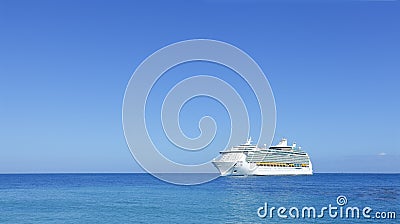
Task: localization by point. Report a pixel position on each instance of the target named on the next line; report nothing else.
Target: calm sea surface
(141, 198)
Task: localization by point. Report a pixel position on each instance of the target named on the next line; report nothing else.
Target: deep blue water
(141, 198)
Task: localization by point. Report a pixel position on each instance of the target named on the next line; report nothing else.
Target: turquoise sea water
(141, 198)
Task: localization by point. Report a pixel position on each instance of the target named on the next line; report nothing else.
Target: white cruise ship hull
(246, 169)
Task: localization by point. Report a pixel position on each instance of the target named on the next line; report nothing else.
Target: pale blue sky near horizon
(333, 67)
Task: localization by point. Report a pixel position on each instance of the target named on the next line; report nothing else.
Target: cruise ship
(248, 159)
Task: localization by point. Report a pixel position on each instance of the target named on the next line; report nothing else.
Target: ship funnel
(283, 142)
(248, 142)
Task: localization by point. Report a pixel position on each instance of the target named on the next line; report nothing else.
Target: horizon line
(50, 173)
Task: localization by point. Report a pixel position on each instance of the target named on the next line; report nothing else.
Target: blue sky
(64, 65)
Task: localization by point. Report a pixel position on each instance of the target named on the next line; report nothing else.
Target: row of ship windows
(282, 165)
(277, 156)
(289, 161)
(274, 155)
(280, 157)
(296, 151)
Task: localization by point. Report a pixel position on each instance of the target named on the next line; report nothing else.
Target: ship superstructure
(248, 159)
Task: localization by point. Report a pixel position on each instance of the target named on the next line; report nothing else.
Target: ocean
(141, 198)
